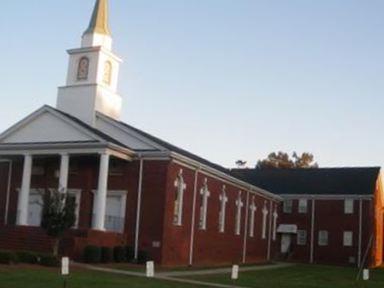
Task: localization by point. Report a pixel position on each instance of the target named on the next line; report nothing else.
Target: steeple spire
(99, 21)
(98, 33)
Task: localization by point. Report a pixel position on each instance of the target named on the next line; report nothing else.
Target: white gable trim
(46, 109)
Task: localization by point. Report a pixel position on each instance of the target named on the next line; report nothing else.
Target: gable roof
(168, 146)
(51, 126)
(313, 181)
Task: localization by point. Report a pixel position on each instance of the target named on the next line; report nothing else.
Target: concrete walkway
(173, 276)
(223, 270)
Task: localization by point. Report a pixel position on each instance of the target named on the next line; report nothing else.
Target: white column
(22, 207)
(101, 195)
(64, 169)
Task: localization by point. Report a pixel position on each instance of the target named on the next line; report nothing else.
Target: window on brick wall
(180, 187)
(348, 238)
(264, 223)
(301, 237)
(204, 192)
(223, 205)
(303, 206)
(239, 207)
(348, 206)
(287, 206)
(323, 238)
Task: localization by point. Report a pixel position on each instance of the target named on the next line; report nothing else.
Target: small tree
(58, 215)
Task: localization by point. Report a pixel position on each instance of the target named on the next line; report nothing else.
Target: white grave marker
(365, 274)
(150, 269)
(235, 272)
(65, 266)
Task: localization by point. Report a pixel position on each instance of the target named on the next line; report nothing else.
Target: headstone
(150, 269)
(235, 272)
(366, 274)
(65, 266)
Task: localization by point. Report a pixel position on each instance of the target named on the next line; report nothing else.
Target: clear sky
(225, 79)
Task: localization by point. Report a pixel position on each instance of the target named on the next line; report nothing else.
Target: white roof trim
(24, 122)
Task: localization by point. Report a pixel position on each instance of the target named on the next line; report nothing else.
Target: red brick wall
(210, 246)
(329, 216)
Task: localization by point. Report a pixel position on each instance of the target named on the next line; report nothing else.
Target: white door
(113, 214)
(285, 243)
(35, 209)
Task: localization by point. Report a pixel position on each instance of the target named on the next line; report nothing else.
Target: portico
(62, 159)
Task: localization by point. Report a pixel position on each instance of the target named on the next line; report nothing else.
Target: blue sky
(225, 79)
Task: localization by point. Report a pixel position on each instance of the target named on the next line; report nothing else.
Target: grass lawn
(37, 277)
(301, 276)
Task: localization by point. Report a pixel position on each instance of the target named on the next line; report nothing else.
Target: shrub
(106, 254)
(49, 260)
(143, 257)
(27, 257)
(7, 257)
(119, 254)
(92, 254)
(129, 253)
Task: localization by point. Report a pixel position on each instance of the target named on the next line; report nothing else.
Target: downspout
(10, 163)
(192, 240)
(360, 232)
(139, 194)
(311, 257)
(245, 229)
(270, 230)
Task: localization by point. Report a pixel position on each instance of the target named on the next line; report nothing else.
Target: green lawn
(38, 277)
(301, 276)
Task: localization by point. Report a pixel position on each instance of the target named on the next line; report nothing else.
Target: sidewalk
(173, 276)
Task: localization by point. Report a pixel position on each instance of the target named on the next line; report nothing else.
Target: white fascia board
(70, 148)
(48, 109)
(232, 180)
(326, 196)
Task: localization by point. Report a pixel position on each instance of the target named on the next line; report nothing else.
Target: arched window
(83, 68)
(107, 73)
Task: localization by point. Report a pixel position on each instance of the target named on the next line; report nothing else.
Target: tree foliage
(284, 160)
(58, 215)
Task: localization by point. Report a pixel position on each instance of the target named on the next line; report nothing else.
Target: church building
(134, 189)
(130, 188)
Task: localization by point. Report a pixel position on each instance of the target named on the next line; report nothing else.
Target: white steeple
(92, 73)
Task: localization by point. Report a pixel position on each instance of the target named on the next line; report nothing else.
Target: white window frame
(347, 238)
(114, 193)
(303, 206)
(264, 221)
(252, 212)
(180, 187)
(275, 217)
(204, 192)
(223, 206)
(323, 238)
(349, 206)
(302, 237)
(288, 206)
(239, 205)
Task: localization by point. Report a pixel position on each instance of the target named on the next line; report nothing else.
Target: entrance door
(285, 243)
(35, 209)
(113, 214)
